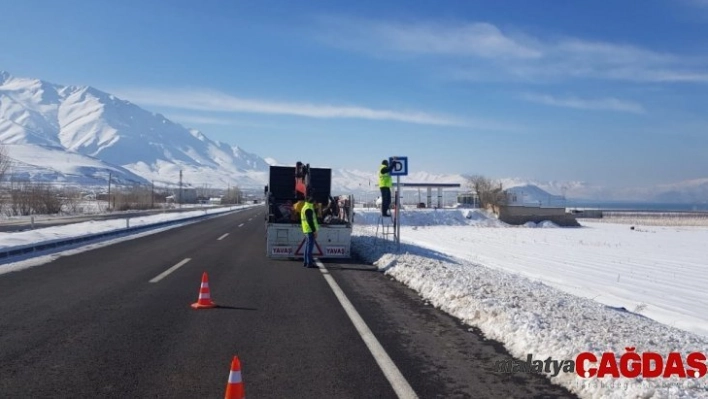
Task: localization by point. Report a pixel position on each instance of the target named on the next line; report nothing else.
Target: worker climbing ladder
(391, 226)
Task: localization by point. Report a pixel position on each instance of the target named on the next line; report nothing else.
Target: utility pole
(109, 189)
(152, 194)
(180, 188)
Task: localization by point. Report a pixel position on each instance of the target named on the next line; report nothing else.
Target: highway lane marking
(240, 225)
(170, 270)
(222, 237)
(393, 374)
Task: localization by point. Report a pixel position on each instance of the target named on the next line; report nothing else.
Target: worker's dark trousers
(385, 200)
(309, 248)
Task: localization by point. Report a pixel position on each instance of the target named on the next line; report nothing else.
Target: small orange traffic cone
(204, 301)
(234, 388)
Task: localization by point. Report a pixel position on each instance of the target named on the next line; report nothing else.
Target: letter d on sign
(398, 165)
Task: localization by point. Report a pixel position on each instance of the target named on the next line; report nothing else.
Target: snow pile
(433, 217)
(528, 316)
(545, 224)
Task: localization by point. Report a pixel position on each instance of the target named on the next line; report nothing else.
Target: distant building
(469, 199)
(532, 204)
(189, 196)
(533, 196)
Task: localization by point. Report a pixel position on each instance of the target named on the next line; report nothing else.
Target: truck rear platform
(286, 189)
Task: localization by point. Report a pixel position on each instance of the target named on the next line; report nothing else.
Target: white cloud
(491, 52)
(214, 101)
(578, 58)
(207, 100)
(205, 120)
(609, 104)
(699, 3)
(476, 39)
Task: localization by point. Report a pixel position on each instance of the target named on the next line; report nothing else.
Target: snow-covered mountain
(89, 122)
(40, 163)
(689, 191)
(81, 134)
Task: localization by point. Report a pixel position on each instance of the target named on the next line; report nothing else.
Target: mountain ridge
(105, 133)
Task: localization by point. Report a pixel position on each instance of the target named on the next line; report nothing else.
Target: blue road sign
(398, 165)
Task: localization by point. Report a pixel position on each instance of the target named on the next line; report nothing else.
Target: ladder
(386, 227)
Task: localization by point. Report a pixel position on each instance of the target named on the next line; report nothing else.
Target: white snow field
(551, 291)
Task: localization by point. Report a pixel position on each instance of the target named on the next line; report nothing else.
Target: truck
(285, 193)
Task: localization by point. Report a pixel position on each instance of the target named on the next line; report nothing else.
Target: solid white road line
(240, 225)
(170, 270)
(222, 237)
(393, 375)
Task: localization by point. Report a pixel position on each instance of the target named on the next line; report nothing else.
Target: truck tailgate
(286, 240)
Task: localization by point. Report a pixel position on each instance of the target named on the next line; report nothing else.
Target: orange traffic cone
(234, 388)
(204, 301)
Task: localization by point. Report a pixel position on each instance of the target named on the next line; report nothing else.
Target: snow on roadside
(527, 316)
(16, 239)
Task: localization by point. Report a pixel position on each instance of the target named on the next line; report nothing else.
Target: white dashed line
(222, 237)
(170, 270)
(393, 374)
(240, 225)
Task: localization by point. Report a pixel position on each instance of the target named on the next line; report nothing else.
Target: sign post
(399, 167)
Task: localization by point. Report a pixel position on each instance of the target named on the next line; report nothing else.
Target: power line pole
(152, 194)
(109, 190)
(180, 188)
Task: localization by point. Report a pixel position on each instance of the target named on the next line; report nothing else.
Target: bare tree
(47, 198)
(20, 200)
(233, 196)
(204, 192)
(490, 193)
(27, 198)
(4, 165)
(135, 196)
(4, 161)
(71, 199)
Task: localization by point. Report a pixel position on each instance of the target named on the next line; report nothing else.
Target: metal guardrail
(62, 242)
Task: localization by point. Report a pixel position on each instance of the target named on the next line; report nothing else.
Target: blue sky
(608, 92)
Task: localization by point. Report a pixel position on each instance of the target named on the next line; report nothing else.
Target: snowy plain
(556, 292)
(538, 289)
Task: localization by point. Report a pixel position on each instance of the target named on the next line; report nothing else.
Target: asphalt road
(92, 325)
